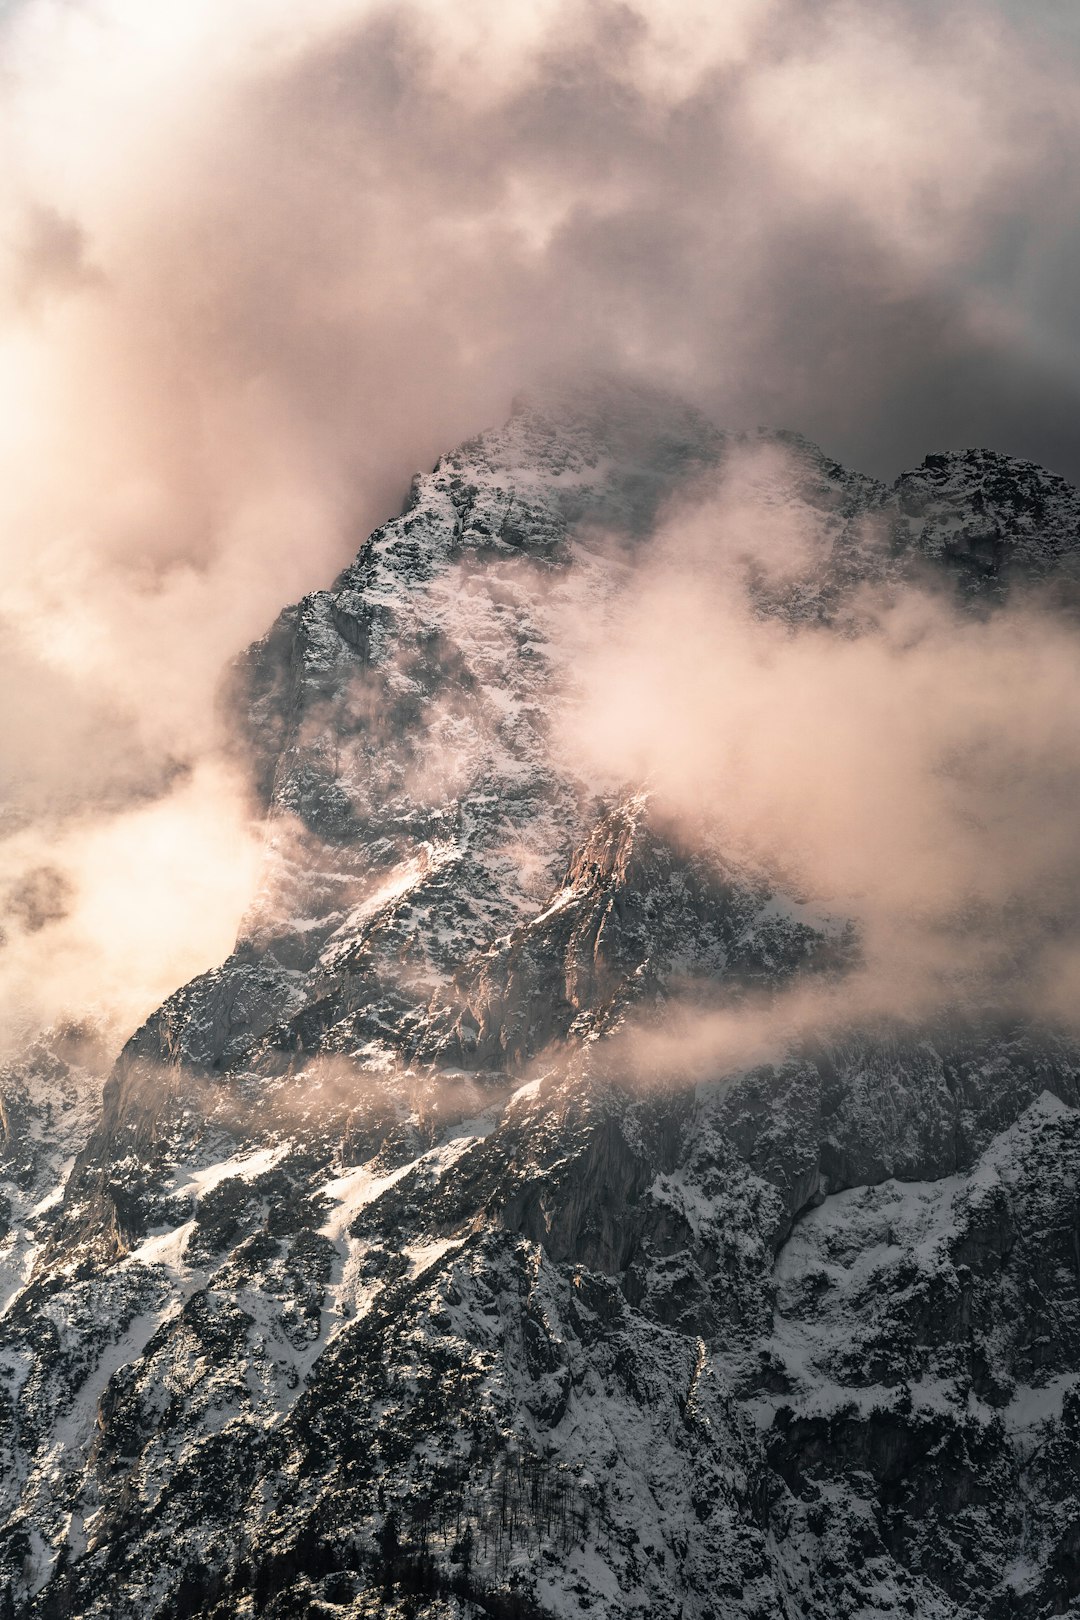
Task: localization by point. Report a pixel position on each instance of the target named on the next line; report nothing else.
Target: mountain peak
(420, 1261)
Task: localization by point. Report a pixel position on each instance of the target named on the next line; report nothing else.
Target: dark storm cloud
(851, 225)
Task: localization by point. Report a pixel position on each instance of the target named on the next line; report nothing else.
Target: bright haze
(258, 262)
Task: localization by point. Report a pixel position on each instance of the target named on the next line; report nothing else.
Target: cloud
(259, 262)
(104, 916)
(915, 767)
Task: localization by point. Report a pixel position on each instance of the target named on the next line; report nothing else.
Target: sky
(260, 262)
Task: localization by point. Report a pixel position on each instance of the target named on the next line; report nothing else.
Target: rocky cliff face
(380, 1282)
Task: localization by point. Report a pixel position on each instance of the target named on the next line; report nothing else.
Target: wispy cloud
(915, 769)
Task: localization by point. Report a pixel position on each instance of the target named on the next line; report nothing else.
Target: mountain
(382, 1278)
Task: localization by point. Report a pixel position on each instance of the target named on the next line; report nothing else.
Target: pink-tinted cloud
(915, 768)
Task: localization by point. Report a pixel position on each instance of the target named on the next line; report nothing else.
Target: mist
(910, 763)
(258, 265)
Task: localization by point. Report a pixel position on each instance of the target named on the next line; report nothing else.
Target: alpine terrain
(382, 1277)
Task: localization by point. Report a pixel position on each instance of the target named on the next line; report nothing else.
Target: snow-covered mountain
(378, 1282)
